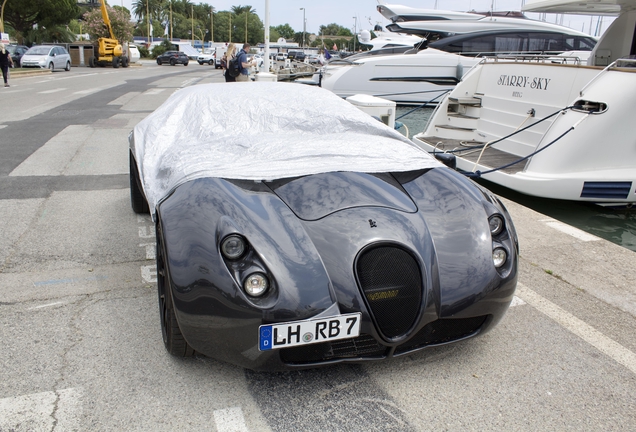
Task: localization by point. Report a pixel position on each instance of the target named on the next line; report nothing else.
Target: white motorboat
(425, 74)
(545, 128)
(385, 39)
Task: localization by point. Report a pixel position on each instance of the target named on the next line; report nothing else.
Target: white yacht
(545, 128)
(427, 72)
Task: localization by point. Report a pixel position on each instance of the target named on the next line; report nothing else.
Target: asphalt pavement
(79, 326)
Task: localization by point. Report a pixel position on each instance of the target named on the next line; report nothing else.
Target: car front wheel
(211, 62)
(172, 62)
(68, 66)
(173, 339)
(159, 62)
(185, 64)
(51, 67)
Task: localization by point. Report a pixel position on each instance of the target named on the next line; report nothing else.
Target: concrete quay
(557, 255)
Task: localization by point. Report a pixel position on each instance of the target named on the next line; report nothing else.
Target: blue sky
(342, 12)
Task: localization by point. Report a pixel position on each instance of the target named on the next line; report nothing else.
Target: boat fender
(460, 71)
(447, 159)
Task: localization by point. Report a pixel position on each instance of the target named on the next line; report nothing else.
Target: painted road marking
(148, 272)
(589, 334)
(53, 410)
(46, 305)
(516, 301)
(150, 250)
(89, 91)
(154, 91)
(52, 91)
(230, 420)
(570, 230)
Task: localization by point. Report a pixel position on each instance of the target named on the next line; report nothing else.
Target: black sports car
(295, 231)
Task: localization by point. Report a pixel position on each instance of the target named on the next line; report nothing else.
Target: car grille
(442, 331)
(391, 282)
(363, 346)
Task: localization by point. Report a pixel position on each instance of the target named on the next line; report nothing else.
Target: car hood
(319, 195)
(35, 57)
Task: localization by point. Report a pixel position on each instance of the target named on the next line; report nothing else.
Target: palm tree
(238, 10)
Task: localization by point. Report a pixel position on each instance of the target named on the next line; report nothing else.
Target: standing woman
(229, 55)
(5, 61)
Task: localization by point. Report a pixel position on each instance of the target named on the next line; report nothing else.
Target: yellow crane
(109, 49)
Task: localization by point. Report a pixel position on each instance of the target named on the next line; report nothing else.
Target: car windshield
(11, 49)
(39, 50)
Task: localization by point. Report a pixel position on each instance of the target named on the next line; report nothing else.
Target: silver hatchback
(47, 56)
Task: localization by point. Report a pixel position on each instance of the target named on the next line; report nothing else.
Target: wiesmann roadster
(294, 230)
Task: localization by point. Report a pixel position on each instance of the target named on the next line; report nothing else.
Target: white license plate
(285, 335)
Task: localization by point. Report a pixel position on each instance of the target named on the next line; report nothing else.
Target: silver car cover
(263, 131)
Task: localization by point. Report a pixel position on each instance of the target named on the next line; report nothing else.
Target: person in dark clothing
(229, 55)
(5, 62)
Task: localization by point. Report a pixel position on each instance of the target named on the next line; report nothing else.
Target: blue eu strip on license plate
(285, 335)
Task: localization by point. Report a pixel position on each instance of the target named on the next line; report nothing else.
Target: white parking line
(53, 410)
(230, 420)
(52, 91)
(589, 334)
(570, 230)
(154, 91)
(46, 305)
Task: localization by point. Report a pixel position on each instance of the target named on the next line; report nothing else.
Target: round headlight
(256, 284)
(496, 223)
(499, 257)
(233, 246)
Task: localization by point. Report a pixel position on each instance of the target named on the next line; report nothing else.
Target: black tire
(211, 62)
(116, 62)
(68, 66)
(159, 62)
(138, 200)
(172, 62)
(51, 67)
(171, 334)
(91, 61)
(200, 62)
(185, 64)
(124, 62)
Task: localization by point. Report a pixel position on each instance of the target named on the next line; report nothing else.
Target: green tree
(48, 16)
(285, 31)
(334, 30)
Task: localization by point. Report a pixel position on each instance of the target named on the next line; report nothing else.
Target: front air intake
(391, 282)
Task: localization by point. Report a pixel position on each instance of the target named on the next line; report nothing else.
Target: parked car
(173, 58)
(347, 244)
(300, 56)
(206, 57)
(314, 59)
(47, 56)
(291, 55)
(17, 51)
(281, 56)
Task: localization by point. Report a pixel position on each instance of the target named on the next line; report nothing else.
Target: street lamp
(303, 9)
(211, 26)
(355, 30)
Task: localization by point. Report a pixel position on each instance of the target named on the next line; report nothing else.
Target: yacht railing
(622, 62)
(536, 58)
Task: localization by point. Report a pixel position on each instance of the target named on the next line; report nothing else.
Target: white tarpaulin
(263, 131)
